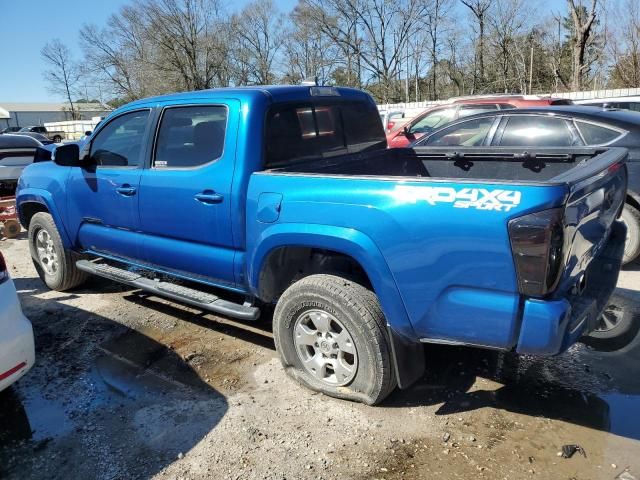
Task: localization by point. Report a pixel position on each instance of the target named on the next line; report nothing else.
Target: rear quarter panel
(451, 268)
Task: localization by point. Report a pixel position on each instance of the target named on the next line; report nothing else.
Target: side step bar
(196, 298)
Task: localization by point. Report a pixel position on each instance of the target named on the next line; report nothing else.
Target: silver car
(16, 152)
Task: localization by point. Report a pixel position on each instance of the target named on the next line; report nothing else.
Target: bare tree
(507, 23)
(479, 8)
(624, 47)
(259, 29)
(436, 14)
(120, 54)
(309, 52)
(338, 20)
(63, 74)
(186, 33)
(583, 21)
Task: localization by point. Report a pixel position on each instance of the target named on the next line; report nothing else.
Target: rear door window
(597, 134)
(190, 136)
(471, 133)
(527, 130)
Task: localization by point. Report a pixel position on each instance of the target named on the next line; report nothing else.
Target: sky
(28, 24)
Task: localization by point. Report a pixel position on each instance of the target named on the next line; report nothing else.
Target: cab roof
(276, 93)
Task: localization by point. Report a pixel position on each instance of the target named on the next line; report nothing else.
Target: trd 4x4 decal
(478, 198)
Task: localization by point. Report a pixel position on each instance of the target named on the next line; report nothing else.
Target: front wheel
(331, 336)
(55, 265)
(57, 139)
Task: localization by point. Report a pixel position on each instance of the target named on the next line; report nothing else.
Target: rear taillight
(537, 243)
(4, 275)
(390, 126)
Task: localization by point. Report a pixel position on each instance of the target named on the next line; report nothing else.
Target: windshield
(311, 130)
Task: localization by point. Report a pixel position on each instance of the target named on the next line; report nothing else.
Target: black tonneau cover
(546, 165)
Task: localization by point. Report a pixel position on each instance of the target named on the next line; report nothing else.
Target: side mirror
(67, 155)
(42, 154)
(88, 133)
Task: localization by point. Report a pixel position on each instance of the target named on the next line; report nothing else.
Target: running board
(190, 296)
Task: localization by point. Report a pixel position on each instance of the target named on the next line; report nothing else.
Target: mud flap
(408, 359)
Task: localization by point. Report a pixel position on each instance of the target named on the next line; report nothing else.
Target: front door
(185, 195)
(102, 200)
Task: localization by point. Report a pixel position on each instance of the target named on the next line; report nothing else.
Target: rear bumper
(16, 338)
(551, 326)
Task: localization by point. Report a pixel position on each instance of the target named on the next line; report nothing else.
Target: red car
(439, 115)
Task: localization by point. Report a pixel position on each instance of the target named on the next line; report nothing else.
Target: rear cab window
(297, 132)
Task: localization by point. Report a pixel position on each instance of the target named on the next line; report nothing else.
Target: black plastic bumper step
(191, 296)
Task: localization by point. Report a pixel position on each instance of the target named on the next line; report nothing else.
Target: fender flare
(43, 197)
(347, 241)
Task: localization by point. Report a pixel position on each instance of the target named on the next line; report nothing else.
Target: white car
(17, 353)
(623, 103)
(389, 118)
(16, 152)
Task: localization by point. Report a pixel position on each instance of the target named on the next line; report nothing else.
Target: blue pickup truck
(236, 200)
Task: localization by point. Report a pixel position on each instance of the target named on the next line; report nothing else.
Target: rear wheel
(57, 139)
(55, 265)
(616, 327)
(631, 217)
(331, 336)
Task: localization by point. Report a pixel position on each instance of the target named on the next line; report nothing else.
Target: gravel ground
(128, 385)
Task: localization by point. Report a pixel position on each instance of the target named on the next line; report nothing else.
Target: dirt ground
(128, 385)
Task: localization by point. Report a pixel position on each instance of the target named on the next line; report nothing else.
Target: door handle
(126, 190)
(209, 197)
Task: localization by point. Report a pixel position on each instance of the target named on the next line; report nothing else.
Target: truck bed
(504, 164)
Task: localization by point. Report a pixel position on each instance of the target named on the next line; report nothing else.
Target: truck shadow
(599, 390)
(102, 397)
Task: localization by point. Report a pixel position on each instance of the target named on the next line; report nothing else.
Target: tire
(347, 306)
(631, 217)
(57, 266)
(57, 139)
(616, 328)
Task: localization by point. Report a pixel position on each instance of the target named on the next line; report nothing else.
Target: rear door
(102, 201)
(185, 194)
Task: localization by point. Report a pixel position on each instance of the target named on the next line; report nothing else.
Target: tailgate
(596, 196)
(592, 249)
